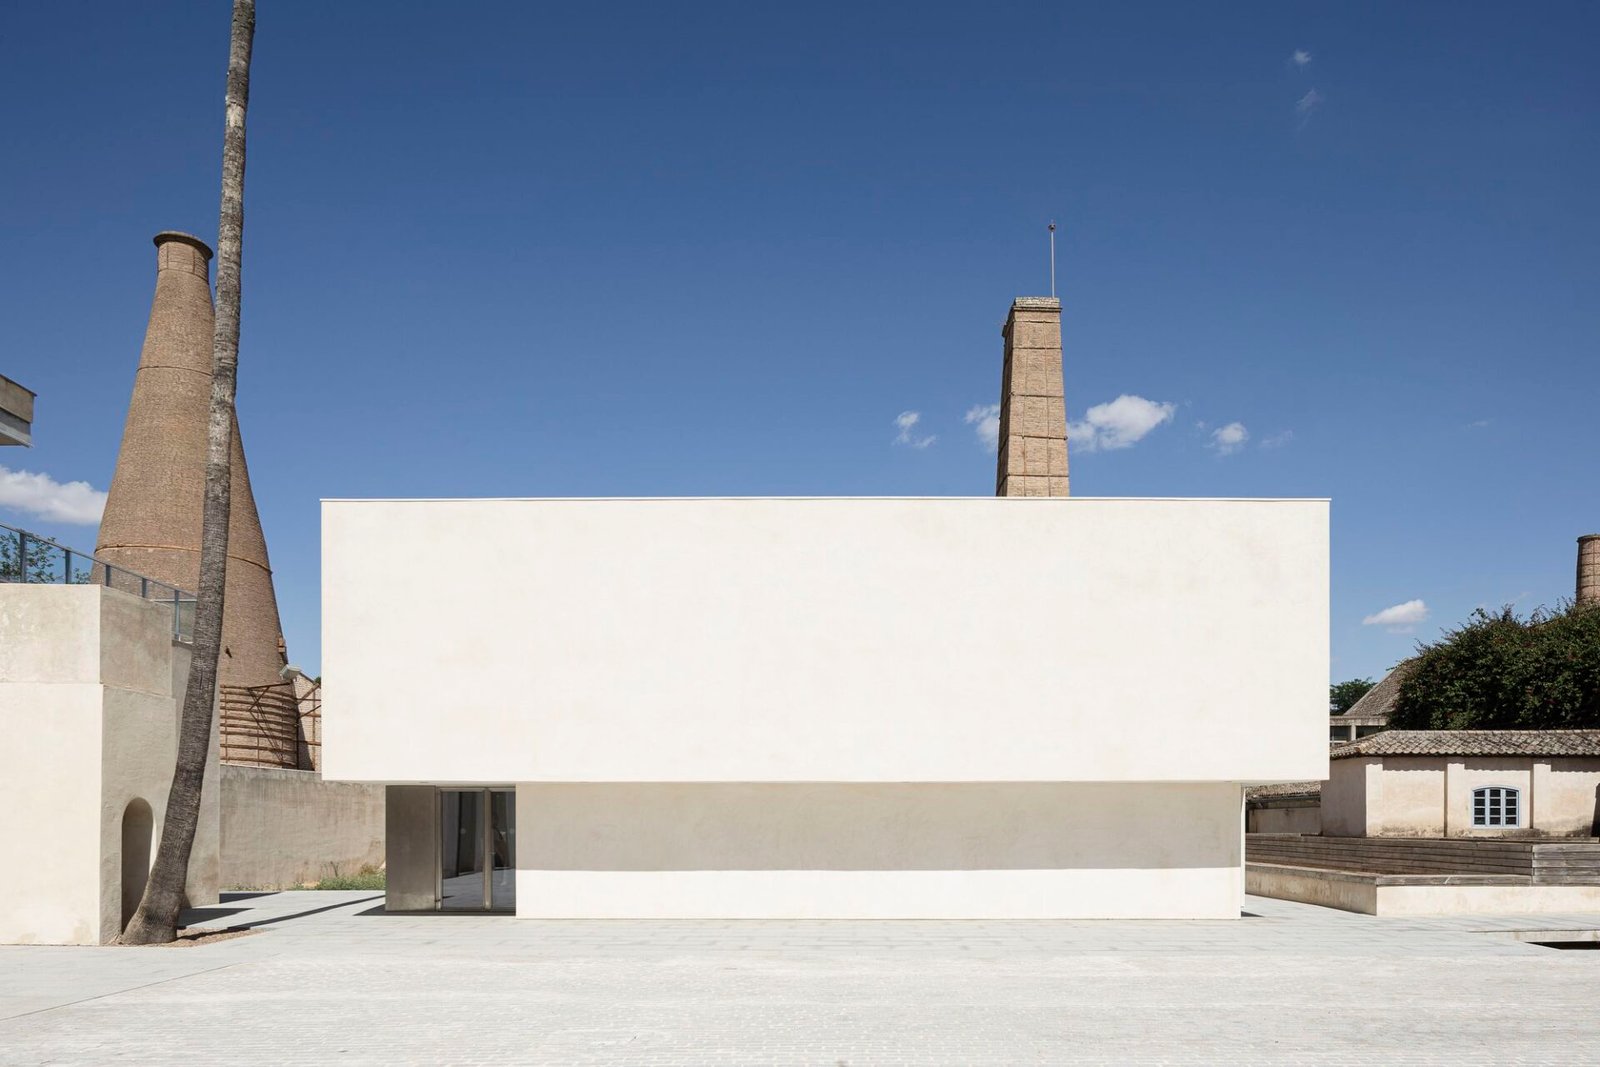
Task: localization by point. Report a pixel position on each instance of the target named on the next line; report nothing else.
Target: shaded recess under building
(153, 513)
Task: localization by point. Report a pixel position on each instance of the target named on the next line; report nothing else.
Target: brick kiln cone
(152, 516)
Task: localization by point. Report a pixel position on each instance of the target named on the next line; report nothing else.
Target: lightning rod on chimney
(1052, 257)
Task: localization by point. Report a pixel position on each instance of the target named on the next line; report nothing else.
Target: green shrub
(366, 878)
(1503, 672)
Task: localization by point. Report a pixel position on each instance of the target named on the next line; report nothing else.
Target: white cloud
(1229, 439)
(1308, 103)
(1479, 424)
(41, 495)
(907, 423)
(1278, 440)
(1400, 615)
(1301, 57)
(985, 420)
(1120, 423)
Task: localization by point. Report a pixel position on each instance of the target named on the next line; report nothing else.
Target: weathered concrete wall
(1370, 895)
(1404, 900)
(1344, 797)
(1306, 819)
(283, 828)
(1330, 889)
(1009, 850)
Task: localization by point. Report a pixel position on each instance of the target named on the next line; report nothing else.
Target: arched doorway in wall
(138, 833)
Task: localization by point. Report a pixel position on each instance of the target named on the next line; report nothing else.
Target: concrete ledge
(1370, 893)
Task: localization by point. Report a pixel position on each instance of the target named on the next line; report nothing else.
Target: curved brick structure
(152, 518)
(1588, 591)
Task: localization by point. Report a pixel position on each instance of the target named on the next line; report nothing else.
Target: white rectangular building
(823, 708)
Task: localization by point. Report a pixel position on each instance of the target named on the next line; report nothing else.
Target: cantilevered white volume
(954, 707)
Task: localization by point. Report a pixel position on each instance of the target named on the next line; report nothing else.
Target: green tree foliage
(1342, 696)
(13, 568)
(47, 562)
(1504, 672)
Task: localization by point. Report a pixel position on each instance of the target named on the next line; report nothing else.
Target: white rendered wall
(843, 640)
(1022, 850)
(88, 703)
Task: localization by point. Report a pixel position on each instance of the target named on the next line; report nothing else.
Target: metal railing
(34, 560)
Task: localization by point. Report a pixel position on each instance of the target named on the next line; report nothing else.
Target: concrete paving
(331, 978)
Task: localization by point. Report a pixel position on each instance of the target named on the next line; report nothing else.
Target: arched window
(1496, 805)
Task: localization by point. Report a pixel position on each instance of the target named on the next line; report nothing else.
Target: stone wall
(283, 828)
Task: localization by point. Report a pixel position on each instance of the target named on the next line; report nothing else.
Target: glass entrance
(477, 850)
(503, 850)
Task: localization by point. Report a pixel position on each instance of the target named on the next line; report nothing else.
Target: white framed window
(1496, 805)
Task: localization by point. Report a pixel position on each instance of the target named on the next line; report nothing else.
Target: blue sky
(528, 250)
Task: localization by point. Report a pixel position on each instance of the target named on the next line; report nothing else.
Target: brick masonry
(152, 517)
(1588, 591)
(1033, 412)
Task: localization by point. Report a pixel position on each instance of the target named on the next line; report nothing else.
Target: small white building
(1465, 783)
(91, 687)
(823, 708)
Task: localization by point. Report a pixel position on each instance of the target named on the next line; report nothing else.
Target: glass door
(503, 850)
(477, 850)
(461, 850)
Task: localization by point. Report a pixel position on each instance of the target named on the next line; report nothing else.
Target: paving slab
(329, 976)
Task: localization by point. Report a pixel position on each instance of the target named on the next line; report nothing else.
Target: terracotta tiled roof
(1284, 789)
(1473, 743)
(1379, 700)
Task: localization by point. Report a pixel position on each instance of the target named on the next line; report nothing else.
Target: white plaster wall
(1566, 797)
(1408, 798)
(1431, 796)
(936, 851)
(49, 811)
(86, 679)
(952, 640)
(50, 708)
(1467, 774)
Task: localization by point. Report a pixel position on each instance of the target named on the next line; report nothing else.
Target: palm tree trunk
(156, 921)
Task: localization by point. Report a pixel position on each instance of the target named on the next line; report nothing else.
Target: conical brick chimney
(152, 516)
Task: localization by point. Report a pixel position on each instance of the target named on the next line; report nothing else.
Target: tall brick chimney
(1033, 410)
(152, 519)
(1588, 591)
